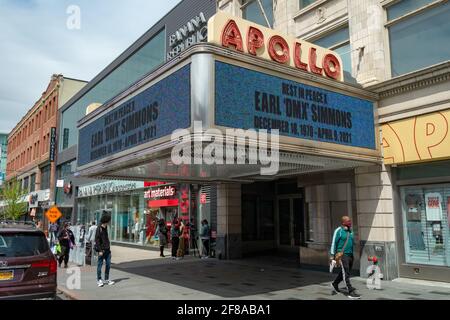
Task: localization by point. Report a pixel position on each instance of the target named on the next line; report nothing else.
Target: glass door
(291, 221)
(284, 222)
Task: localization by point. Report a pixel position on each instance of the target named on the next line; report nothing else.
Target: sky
(39, 38)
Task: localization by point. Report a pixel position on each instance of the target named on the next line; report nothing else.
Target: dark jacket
(63, 240)
(175, 230)
(204, 232)
(102, 239)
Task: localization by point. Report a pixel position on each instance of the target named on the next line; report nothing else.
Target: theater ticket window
(426, 223)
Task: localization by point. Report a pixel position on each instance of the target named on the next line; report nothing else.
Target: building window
(305, 3)
(426, 224)
(339, 41)
(418, 35)
(45, 177)
(146, 59)
(33, 182)
(251, 11)
(26, 185)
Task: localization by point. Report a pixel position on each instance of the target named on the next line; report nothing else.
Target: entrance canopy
(210, 91)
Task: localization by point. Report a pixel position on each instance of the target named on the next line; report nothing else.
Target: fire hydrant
(374, 274)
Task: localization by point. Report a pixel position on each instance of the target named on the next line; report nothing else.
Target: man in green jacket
(343, 242)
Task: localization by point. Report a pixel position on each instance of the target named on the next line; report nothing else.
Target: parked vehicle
(27, 266)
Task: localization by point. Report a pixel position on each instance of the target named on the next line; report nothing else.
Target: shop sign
(153, 113)
(203, 198)
(36, 199)
(108, 187)
(60, 183)
(417, 139)
(52, 144)
(256, 40)
(194, 31)
(153, 183)
(250, 99)
(164, 192)
(163, 203)
(433, 207)
(33, 199)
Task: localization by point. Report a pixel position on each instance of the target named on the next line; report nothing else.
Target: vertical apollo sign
(52, 144)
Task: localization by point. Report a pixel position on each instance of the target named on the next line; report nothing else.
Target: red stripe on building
(163, 203)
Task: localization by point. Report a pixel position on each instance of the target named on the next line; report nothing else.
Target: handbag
(340, 254)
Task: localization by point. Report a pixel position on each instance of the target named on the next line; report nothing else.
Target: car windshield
(22, 244)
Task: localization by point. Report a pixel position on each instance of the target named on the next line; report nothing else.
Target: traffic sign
(53, 214)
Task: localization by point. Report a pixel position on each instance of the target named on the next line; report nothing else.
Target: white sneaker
(100, 283)
(109, 282)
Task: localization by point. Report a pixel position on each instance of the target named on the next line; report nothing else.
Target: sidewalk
(145, 276)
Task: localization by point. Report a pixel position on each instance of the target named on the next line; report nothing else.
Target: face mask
(348, 224)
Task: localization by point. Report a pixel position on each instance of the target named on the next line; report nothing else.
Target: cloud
(36, 43)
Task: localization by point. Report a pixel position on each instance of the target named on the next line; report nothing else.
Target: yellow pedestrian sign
(53, 214)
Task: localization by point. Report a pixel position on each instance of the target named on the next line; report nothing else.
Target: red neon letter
(232, 36)
(298, 58)
(312, 62)
(336, 72)
(255, 40)
(284, 56)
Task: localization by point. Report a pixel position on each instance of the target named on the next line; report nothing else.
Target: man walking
(204, 236)
(90, 242)
(102, 246)
(342, 252)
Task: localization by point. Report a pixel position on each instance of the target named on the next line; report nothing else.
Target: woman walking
(162, 235)
(66, 240)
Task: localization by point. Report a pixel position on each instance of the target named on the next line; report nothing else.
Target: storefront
(418, 148)
(135, 207)
(241, 80)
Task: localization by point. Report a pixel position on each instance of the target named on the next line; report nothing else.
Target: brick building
(31, 155)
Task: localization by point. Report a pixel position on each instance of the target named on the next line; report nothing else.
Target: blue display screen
(152, 114)
(248, 99)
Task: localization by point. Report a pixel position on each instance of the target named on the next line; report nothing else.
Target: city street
(258, 278)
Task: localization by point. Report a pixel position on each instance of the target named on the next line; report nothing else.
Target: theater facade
(209, 118)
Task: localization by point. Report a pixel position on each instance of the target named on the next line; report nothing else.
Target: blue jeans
(107, 257)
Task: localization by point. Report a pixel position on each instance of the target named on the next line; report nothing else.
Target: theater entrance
(291, 221)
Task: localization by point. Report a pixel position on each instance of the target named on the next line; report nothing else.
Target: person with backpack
(205, 237)
(103, 247)
(66, 241)
(341, 254)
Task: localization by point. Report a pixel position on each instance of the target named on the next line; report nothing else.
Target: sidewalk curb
(67, 293)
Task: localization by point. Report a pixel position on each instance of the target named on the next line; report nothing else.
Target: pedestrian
(52, 230)
(103, 247)
(341, 252)
(90, 238)
(182, 242)
(205, 237)
(90, 241)
(66, 241)
(175, 236)
(162, 235)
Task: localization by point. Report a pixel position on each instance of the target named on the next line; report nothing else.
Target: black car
(27, 266)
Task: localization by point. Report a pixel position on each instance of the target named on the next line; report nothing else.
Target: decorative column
(229, 221)
(375, 207)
